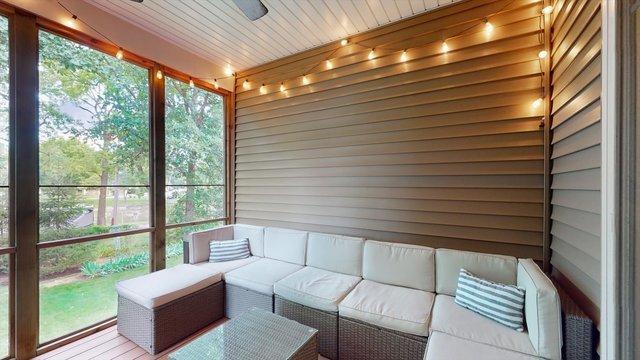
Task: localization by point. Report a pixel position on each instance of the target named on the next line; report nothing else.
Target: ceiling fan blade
(253, 9)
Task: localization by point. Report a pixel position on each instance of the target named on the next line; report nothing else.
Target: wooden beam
(546, 76)
(157, 251)
(24, 117)
(230, 166)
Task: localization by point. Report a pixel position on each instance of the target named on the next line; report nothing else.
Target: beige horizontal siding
(442, 150)
(575, 152)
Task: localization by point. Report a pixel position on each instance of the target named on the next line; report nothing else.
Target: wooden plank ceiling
(218, 31)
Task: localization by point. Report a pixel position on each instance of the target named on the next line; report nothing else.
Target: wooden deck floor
(108, 344)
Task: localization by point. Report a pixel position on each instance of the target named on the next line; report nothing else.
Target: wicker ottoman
(158, 310)
(358, 340)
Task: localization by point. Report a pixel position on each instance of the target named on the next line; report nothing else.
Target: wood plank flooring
(108, 344)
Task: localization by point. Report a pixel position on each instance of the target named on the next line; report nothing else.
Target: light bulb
(547, 9)
(488, 27)
(215, 83)
(159, 74)
(404, 56)
(263, 89)
(536, 103)
(245, 84)
(282, 87)
(305, 80)
(228, 71)
(329, 65)
(120, 54)
(372, 54)
(445, 47)
(191, 82)
(344, 42)
(543, 54)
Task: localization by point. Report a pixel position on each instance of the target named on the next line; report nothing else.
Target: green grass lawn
(68, 307)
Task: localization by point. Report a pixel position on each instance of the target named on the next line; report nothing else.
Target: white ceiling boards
(217, 30)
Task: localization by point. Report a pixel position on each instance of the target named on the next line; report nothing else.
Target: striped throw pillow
(228, 250)
(499, 302)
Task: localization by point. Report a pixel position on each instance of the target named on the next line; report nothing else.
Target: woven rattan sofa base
(358, 340)
(325, 322)
(239, 299)
(158, 329)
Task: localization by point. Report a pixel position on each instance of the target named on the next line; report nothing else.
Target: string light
(547, 10)
(159, 74)
(372, 54)
(228, 71)
(536, 103)
(263, 89)
(215, 84)
(329, 65)
(445, 47)
(344, 42)
(488, 27)
(282, 89)
(191, 82)
(404, 56)
(120, 54)
(245, 84)
(543, 54)
(305, 80)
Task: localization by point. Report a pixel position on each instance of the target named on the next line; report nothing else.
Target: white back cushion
(255, 234)
(541, 310)
(399, 264)
(497, 268)
(285, 245)
(337, 253)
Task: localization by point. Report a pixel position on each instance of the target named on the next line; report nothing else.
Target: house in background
(366, 150)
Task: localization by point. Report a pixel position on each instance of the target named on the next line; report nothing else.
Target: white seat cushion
(405, 265)
(161, 287)
(453, 319)
(225, 266)
(445, 347)
(392, 307)
(286, 245)
(316, 288)
(261, 275)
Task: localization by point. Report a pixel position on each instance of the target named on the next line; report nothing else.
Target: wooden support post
(24, 178)
(230, 136)
(157, 249)
(546, 76)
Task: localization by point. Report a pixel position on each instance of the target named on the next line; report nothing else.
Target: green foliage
(93, 269)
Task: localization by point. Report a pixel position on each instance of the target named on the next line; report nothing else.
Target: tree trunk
(116, 197)
(102, 199)
(189, 208)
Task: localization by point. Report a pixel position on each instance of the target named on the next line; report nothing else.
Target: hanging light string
(120, 54)
(328, 60)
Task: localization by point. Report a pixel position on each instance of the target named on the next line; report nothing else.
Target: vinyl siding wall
(575, 151)
(442, 150)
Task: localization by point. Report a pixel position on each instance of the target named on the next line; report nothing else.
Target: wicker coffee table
(256, 334)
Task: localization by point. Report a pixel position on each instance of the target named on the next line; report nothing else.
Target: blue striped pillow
(228, 250)
(499, 302)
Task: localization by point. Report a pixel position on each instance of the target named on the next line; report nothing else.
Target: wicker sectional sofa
(380, 300)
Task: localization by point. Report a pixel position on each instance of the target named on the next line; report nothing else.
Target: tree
(109, 99)
(195, 150)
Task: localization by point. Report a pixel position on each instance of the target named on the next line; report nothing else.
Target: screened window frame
(224, 185)
(155, 230)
